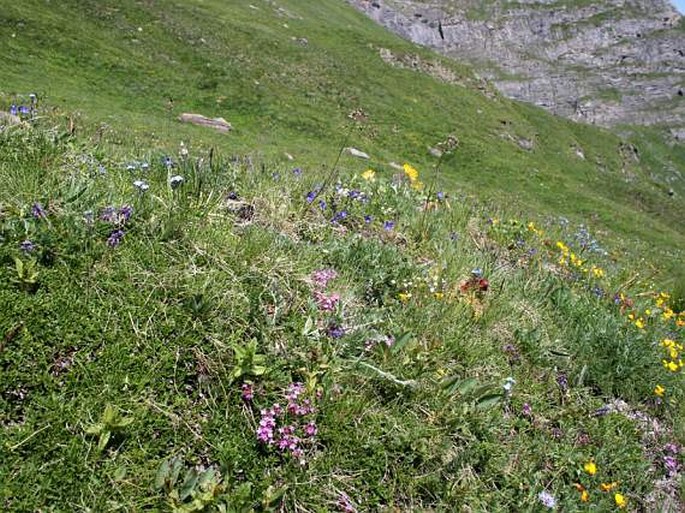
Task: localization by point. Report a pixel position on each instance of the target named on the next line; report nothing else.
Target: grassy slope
(227, 59)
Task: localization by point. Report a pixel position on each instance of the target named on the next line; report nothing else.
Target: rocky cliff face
(609, 63)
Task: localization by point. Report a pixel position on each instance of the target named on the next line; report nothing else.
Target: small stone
(358, 153)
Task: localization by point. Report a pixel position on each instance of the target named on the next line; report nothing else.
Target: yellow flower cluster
(537, 231)
(413, 175)
(673, 361)
(369, 175)
(568, 256)
(591, 468)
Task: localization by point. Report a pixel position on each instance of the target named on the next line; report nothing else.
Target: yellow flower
(439, 295)
(369, 175)
(607, 487)
(590, 468)
(648, 312)
(563, 247)
(640, 323)
(411, 172)
(668, 313)
(404, 296)
(680, 323)
(672, 366)
(668, 343)
(584, 496)
(417, 185)
(659, 390)
(620, 500)
(598, 272)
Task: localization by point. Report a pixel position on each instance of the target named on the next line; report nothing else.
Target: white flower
(547, 499)
(141, 185)
(176, 181)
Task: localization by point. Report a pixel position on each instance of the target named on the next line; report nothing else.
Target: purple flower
(246, 392)
(24, 110)
(354, 194)
(27, 246)
(297, 171)
(671, 465)
(109, 214)
(115, 238)
(14, 110)
(38, 211)
(326, 303)
(345, 503)
(547, 499)
(310, 428)
(125, 213)
(311, 195)
(562, 381)
(321, 277)
(168, 162)
(526, 410)
(440, 195)
(294, 391)
(388, 225)
(368, 219)
(335, 331)
(322, 204)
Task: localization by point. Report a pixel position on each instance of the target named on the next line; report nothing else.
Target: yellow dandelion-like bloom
(411, 172)
(680, 323)
(563, 247)
(584, 496)
(369, 175)
(607, 487)
(598, 272)
(640, 323)
(621, 501)
(648, 312)
(659, 390)
(590, 467)
(631, 317)
(667, 314)
(439, 295)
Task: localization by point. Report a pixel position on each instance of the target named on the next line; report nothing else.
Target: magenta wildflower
(345, 503)
(246, 392)
(310, 428)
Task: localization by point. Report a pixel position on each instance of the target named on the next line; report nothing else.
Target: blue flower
(368, 219)
(125, 213)
(440, 195)
(311, 195)
(38, 211)
(27, 246)
(14, 110)
(24, 110)
(353, 194)
(339, 216)
(297, 171)
(115, 238)
(388, 225)
(322, 204)
(335, 331)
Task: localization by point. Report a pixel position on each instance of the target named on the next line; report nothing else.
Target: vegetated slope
(230, 336)
(286, 74)
(609, 62)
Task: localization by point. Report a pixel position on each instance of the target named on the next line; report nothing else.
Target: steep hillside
(611, 62)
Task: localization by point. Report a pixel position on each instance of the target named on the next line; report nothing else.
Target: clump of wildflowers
(321, 277)
(291, 430)
(547, 499)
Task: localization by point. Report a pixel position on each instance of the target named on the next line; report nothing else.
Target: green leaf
(94, 429)
(189, 484)
(104, 440)
(401, 341)
(465, 386)
(488, 401)
(162, 474)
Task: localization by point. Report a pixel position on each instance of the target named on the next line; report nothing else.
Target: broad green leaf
(400, 343)
(488, 401)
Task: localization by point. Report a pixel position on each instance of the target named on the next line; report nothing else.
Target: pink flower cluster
(289, 429)
(326, 302)
(321, 277)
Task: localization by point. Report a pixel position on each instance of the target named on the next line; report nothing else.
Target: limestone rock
(219, 124)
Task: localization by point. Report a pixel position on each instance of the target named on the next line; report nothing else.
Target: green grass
(122, 361)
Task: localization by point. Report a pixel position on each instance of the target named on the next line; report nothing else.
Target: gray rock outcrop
(612, 62)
